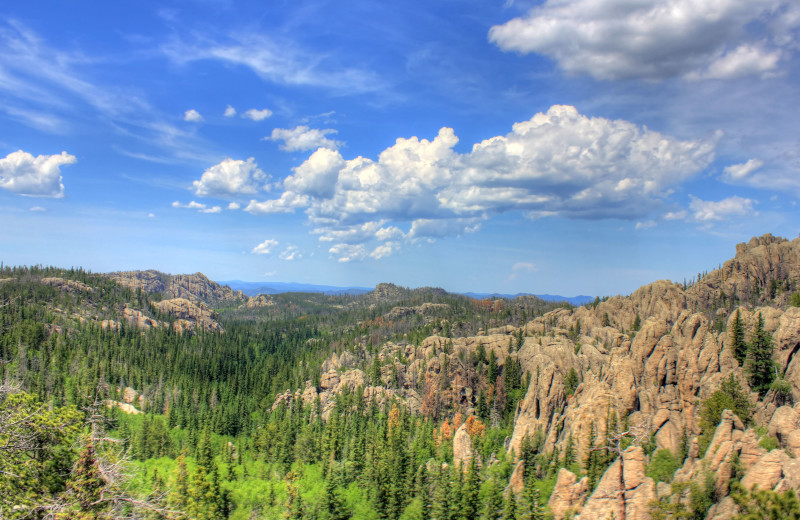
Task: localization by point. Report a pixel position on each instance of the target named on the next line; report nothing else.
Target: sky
(564, 146)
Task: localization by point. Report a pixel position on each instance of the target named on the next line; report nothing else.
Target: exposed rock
(262, 300)
(194, 287)
(462, 447)
(189, 314)
(67, 285)
(768, 472)
(624, 491)
(125, 407)
(569, 494)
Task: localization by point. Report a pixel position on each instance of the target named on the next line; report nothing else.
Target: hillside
(671, 402)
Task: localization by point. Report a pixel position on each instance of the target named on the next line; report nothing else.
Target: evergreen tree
(510, 506)
(738, 345)
(469, 493)
(760, 364)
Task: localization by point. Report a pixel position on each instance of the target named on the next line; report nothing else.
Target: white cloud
(317, 176)
(746, 60)
(290, 253)
(229, 111)
(230, 177)
(257, 115)
(37, 208)
(286, 204)
(557, 163)
(265, 247)
(192, 116)
(737, 172)
(619, 39)
(731, 207)
(279, 62)
(523, 267)
(647, 224)
(40, 176)
(234, 205)
(200, 207)
(151, 215)
(676, 215)
(303, 138)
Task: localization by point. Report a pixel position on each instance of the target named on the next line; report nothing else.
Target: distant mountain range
(256, 288)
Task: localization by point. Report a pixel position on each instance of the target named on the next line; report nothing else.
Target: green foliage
(571, 382)
(738, 345)
(730, 396)
(662, 466)
(765, 504)
(759, 358)
(769, 443)
(38, 450)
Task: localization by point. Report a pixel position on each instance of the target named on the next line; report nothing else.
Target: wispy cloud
(283, 62)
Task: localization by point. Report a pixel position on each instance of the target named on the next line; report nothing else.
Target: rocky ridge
(649, 359)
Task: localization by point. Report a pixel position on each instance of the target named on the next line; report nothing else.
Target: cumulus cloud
(737, 172)
(40, 176)
(317, 176)
(654, 40)
(200, 207)
(230, 177)
(234, 205)
(257, 115)
(265, 247)
(731, 207)
(557, 163)
(192, 115)
(286, 204)
(229, 111)
(302, 138)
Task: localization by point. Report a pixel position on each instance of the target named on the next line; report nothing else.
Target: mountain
(195, 287)
(256, 288)
(581, 299)
(672, 402)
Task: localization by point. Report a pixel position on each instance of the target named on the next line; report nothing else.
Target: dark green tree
(738, 345)
(759, 358)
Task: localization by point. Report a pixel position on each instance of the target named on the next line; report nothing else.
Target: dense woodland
(210, 444)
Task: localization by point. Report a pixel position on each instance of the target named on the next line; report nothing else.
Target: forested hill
(399, 403)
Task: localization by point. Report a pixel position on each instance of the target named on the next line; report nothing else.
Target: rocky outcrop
(262, 300)
(462, 447)
(194, 287)
(189, 315)
(67, 285)
(568, 495)
(624, 492)
(425, 308)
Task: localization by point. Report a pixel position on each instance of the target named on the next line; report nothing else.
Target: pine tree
(510, 506)
(493, 505)
(760, 364)
(85, 488)
(469, 493)
(738, 345)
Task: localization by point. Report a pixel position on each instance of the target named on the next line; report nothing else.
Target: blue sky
(585, 146)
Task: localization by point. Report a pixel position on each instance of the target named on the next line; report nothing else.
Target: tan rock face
(462, 447)
(194, 287)
(568, 495)
(624, 491)
(189, 314)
